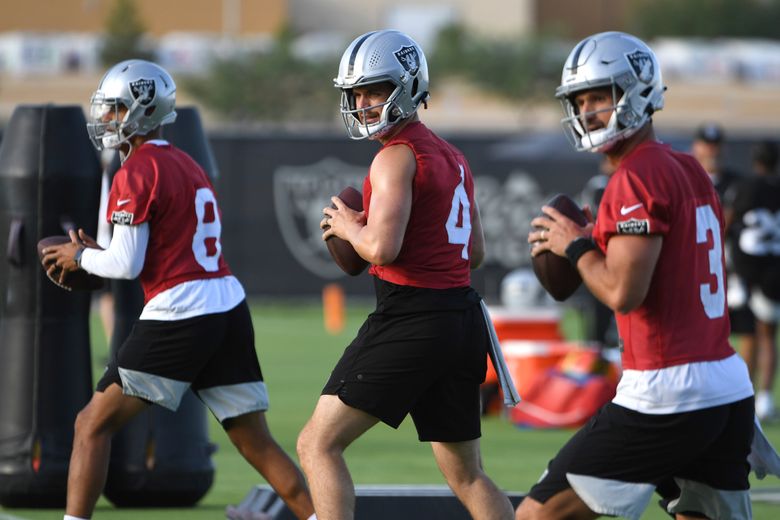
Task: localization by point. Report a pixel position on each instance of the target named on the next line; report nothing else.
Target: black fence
(272, 189)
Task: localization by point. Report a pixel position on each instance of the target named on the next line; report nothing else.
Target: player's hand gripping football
(554, 231)
(341, 221)
(61, 259)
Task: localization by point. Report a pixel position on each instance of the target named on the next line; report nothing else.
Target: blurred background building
(260, 74)
(55, 52)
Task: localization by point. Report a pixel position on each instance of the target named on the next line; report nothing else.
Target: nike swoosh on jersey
(626, 210)
(122, 202)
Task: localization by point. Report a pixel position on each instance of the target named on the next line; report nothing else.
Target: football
(342, 251)
(555, 273)
(76, 281)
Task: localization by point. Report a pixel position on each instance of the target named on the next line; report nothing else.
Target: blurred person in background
(753, 217)
(423, 351)
(599, 319)
(707, 148)
(681, 423)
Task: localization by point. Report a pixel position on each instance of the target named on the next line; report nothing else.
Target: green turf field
(296, 355)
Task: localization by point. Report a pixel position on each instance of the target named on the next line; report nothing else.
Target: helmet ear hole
(415, 85)
(149, 111)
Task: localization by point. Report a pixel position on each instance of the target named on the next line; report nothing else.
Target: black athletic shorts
(742, 320)
(213, 354)
(621, 454)
(422, 352)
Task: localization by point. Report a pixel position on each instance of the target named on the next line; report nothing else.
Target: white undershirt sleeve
(124, 257)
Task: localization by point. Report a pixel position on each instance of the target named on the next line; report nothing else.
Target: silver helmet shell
(376, 57)
(144, 89)
(627, 65)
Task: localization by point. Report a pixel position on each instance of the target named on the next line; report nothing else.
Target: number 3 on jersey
(460, 212)
(714, 302)
(205, 241)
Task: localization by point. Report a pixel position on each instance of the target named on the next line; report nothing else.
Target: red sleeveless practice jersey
(437, 243)
(657, 191)
(165, 187)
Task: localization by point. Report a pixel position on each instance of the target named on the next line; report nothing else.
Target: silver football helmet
(146, 94)
(627, 65)
(376, 57)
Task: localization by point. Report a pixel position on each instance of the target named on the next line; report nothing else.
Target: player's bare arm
(379, 240)
(477, 237)
(621, 278)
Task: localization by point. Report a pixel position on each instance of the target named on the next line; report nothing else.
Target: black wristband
(578, 247)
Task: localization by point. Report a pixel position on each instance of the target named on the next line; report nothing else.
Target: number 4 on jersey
(460, 212)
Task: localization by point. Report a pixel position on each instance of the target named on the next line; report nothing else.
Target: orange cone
(333, 303)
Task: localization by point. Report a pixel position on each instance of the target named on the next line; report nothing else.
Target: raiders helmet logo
(143, 90)
(409, 59)
(642, 64)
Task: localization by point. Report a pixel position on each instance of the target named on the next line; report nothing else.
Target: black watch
(77, 256)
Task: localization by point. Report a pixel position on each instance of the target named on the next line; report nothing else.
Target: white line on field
(4, 516)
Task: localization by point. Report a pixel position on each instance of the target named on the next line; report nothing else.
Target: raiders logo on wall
(300, 193)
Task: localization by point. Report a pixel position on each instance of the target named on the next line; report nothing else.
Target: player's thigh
(566, 504)
(391, 363)
(108, 411)
(458, 460)
(723, 464)
(449, 409)
(160, 359)
(231, 382)
(334, 424)
(621, 455)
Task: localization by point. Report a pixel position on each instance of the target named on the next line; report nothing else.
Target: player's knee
(528, 509)
(463, 476)
(80, 426)
(303, 446)
(249, 436)
(87, 425)
(311, 446)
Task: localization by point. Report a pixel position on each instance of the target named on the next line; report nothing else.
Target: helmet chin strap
(123, 156)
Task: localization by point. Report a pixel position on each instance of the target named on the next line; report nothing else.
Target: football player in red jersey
(423, 350)
(681, 423)
(195, 330)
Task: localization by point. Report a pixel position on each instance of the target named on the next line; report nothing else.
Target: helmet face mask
(626, 65)
(106, 129)
(576, 122)
(134, 97)
(382, 57)
(356, 119)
